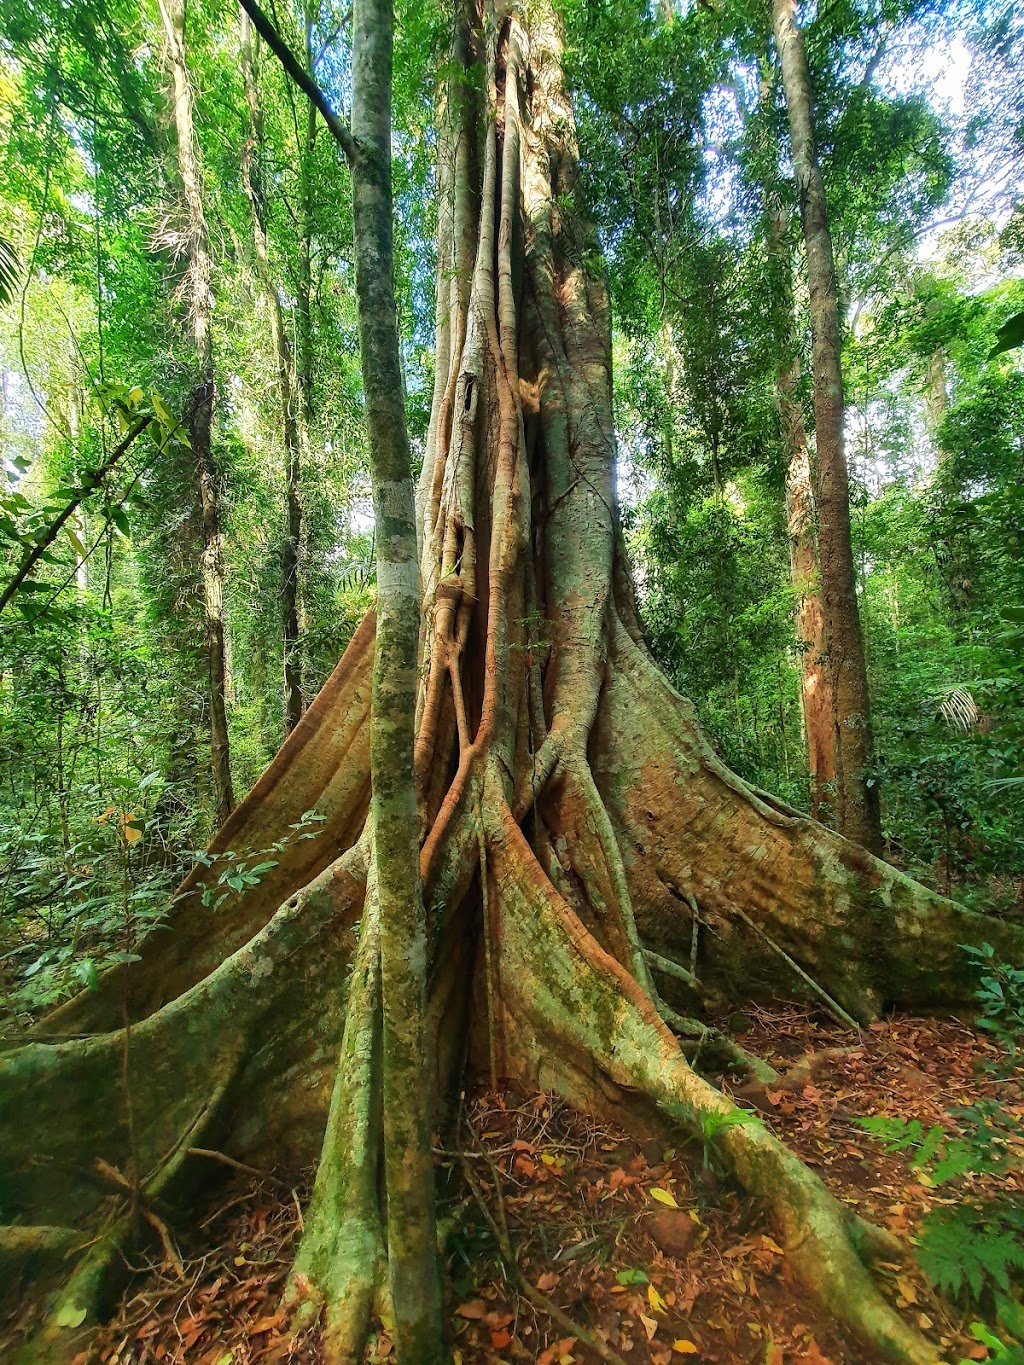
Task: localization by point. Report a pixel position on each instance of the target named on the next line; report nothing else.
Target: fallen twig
(499, 1230)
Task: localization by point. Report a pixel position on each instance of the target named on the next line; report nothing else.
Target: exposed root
(84, 1299)
(868, 935)
(323, 765)
(122, 1106)
(612, 1045)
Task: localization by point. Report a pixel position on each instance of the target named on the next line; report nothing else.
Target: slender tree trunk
(858, 813)
(80, 529)
(937, 396)
(408, 1103)
(815, 682)
(201, 402)
(291, 400)
(304, 292)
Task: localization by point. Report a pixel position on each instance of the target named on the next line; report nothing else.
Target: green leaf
(1009, 336)
(631, 1277)
(71, 1316)
(75, 541)
(88, 975)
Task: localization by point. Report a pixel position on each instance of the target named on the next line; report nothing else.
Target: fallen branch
(209, 1153)
(833, 1005)
(165, 1241)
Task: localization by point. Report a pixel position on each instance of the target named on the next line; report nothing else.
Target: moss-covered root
(340, 1261)
(82, 1302)
(579, 1023)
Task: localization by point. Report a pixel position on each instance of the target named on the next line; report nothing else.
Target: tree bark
(937, 395)
(304, 293)
(201, 401)
(815, 682)
(857, 804)
(291, 401)
(407, 1097)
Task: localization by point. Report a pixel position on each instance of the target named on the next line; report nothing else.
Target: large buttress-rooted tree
(856, 797)
(574, 826)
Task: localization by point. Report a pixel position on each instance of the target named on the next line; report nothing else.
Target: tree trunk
(937, 396)
(857, 806)
(291, 401)
(815, 682)
(575, 824)
(201, 400)
(394, 870)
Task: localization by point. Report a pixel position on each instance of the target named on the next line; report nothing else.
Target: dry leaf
(474, 1310)
(556, 1352)
(685, 1348)
(650, 1326)
(907, 1288)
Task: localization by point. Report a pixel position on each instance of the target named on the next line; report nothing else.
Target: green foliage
(1009, 336)
(1001, 1352)
(967, 1251)
(975, 1249)
(241, 873)
(713, 1124)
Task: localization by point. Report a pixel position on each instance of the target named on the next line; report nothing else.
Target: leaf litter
(635, 1242)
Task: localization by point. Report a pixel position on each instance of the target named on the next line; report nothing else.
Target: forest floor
(641, 1243)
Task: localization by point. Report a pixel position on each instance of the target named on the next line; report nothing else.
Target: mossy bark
(292, 416)
(201, 400)
(568, 814)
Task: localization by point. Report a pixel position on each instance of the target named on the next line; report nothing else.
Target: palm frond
(959, 710)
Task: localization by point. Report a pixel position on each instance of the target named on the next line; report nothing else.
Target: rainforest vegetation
(512, 681)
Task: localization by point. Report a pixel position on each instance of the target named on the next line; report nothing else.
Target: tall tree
(202, 398)
(857, 805)
(292, 417)
(394, 950)
(577, 828)
(801, 524)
